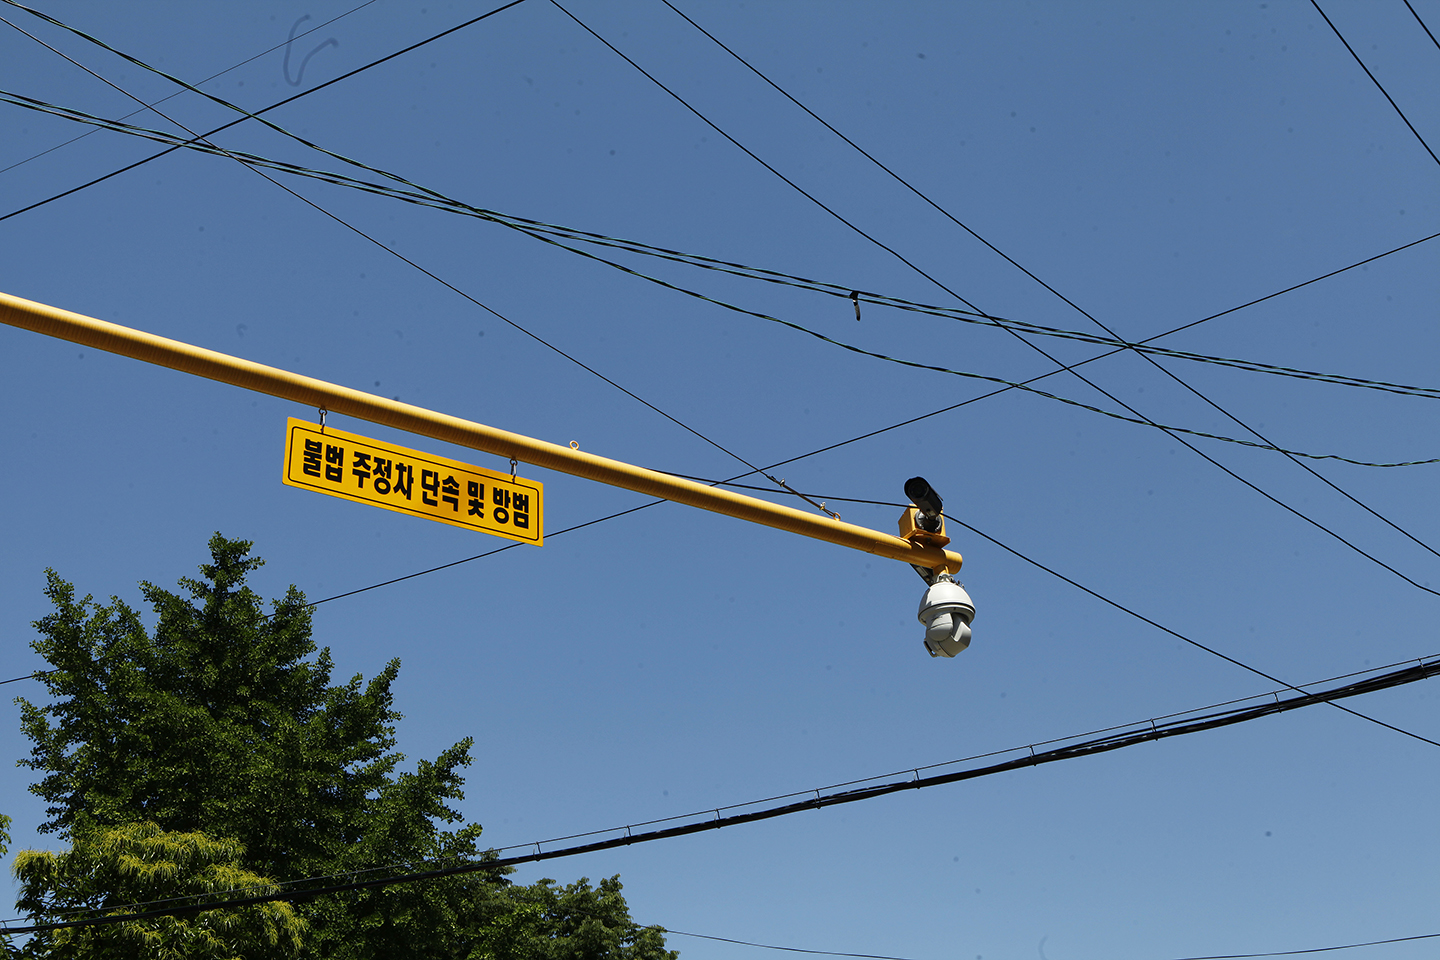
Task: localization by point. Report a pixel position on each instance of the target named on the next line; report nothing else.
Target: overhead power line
(1422, 24)
(1139, 418)
(1226, 956)
(534, 227)
(278, 103)
(868, 434)
(820, 798)
(1428, 392)
(367, 236)
(1264, 441)
(177, 93)
(1378, 85)
(753, 468)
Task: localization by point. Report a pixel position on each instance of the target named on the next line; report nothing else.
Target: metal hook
(512, 469)
(323, 411)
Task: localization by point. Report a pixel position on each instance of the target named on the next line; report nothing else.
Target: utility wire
(962, 403)
(1378, 85)
(1227, 956)
(177, 93)
(813, 800)
(855, 439)
(771, 946)
(1135, 347)
(753, 468)
(1104, 599)
(855, 295)
(1422, 24)
(1048, 356)
(1007, 548)
(278, 103)
(1427, 392)
(246, 114)
(747, 151)
(534, 229)
(362, 233)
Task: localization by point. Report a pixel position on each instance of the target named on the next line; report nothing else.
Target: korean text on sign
(396, 478)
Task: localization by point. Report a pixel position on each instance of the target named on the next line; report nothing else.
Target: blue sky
(1154, 163)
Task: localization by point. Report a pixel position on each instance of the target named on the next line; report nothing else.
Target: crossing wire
(781, 482)
(755, 469)
(1378, 85)
(1422, 24)
(1226, 956)
(1132, 735)
(837, 290)
(1426, 392)
(391, 250)
(1151, 360)
(276, 104)
(177, 93)
(1264, 444)
(1174, 434)
(534, 227)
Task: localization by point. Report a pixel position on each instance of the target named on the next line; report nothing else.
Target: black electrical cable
(997, 321)
(544, 232)
(29, 676)
(1293, 953)
(1098, 596)
(1057, 293)
(1228, 956)
(1171, 430)
(342, 222)
(177, 93)
(1378, 85)
(748, 153)
(1174, 434)
(756, 469)
(1422, 24)
(433, 198)
(771, 946)
(1141, 733)
(253, 160)
(278, 103)
(478, 556)
(955, 406)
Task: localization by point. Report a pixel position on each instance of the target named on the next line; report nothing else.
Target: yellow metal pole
(138, 345)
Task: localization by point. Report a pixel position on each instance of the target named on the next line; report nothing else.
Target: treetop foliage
(222, 729)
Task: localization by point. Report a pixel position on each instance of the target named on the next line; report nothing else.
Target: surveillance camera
(926, 501)
(946, 610)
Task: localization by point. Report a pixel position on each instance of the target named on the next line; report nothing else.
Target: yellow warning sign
(420, 484)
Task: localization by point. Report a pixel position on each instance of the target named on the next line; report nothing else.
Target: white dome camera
(946, 610)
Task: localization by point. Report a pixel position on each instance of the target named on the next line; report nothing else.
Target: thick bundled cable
(1222, 715)
(540, 230)
(524, 226)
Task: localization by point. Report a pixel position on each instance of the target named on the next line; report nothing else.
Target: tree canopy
(223, 723)
(110, 867)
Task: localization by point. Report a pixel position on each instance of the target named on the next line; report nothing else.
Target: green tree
(110, 867)
(224, 720)
(546, 921)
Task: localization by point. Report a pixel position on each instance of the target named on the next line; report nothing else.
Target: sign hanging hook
(323, 411)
